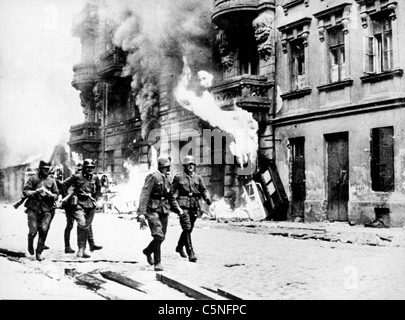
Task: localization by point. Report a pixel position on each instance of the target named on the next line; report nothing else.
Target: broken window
(382, 159)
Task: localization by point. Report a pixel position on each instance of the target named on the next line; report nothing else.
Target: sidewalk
(325, 231)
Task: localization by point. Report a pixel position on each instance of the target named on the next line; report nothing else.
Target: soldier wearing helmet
(155, 203)
(70, 219)
(42, 192)
(190, 188)
(86, 190)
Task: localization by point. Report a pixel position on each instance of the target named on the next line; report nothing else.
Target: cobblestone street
(255, 265)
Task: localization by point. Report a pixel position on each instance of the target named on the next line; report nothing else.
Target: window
(379, 53)
(294, 42)
(297, 64)
(248, 57)
(110, 161)
(336, 54)
(382, 159)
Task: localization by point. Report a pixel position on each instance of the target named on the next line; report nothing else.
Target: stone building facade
(323, 79)
(340, 127)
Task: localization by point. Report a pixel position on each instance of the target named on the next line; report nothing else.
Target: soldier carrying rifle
(41, 192)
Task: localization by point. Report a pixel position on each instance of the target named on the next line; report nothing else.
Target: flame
(125, 196)
(238, 123)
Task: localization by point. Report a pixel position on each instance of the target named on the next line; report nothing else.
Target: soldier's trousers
(70, 219)
(187, 221)
(39, 222)
(84, 219)
(158, 226)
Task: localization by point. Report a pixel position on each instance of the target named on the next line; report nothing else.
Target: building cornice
(339, 112)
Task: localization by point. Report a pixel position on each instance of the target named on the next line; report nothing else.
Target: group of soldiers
(79, 193)
(160, 195)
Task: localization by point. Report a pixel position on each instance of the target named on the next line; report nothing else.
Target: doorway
(337, 176)
(297, 177)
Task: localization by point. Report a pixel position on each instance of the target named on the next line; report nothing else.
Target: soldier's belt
(190, 195)
(158, 198)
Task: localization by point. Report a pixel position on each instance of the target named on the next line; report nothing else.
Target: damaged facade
(322, 79)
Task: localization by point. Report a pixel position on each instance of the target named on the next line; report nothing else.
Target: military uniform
(87, 189)
(190, 188)
(40, 207)
(156, 201)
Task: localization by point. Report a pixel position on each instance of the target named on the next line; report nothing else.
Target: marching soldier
(190, 189)
(41, 192)
(83, 203)
(156, 201)
(69, 207)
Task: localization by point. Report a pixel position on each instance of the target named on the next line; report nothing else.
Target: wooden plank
(114, 276)
(89, 281)
(189, 289)
(12, 253)
(81, 260)
(226, 293)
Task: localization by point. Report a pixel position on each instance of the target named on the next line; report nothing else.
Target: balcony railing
(112, 63)
(84, 76)
(87, 132)
(223, 9)
(247, 91)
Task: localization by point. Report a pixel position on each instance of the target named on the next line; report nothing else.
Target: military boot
(180, 245)
(39, 256)
(90, 239)
(158, 265)
(82, 253)
(68, 248)
(189, 248)
(149, 257)
(81, 241)
(31, 244)
(180, 250)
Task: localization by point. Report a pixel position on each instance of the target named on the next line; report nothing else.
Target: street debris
(114, 276)
(12, 253)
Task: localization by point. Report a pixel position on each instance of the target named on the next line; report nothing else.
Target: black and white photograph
(219, 151)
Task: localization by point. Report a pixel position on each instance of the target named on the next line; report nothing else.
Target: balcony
(252, 93)
(84, 76)
(85, 133)
(85, 21)
(230, 13)
(112, 63)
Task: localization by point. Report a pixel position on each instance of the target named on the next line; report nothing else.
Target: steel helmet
(88, 163)
(44, 165)
(188, 160)
(163, 161)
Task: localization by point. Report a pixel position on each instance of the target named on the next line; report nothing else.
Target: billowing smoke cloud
(37, 103)
(238, 123)
(156, 34)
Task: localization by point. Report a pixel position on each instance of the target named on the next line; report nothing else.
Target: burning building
(164, 76)
(250, 84)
